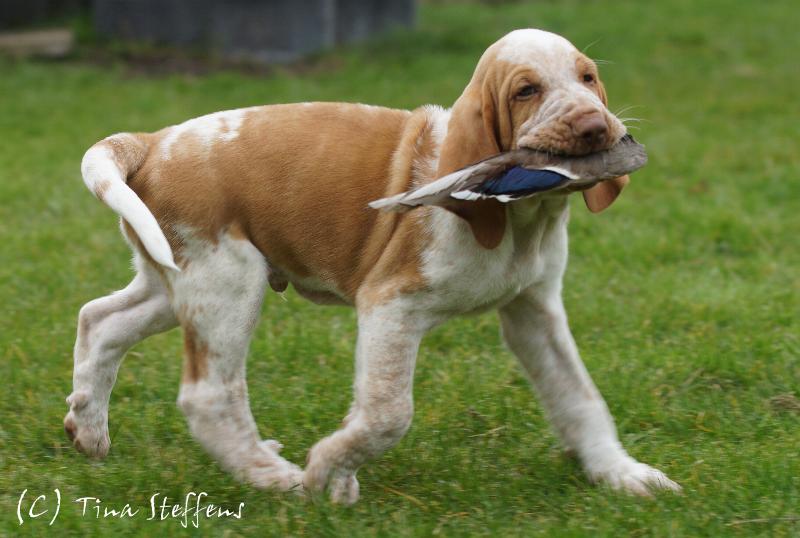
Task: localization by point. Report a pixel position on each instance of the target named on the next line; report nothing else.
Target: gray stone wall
(270, 31)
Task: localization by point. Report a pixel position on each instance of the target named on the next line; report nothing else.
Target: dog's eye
(527, 91)
(588, 78)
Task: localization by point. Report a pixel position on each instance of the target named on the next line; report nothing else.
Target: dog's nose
(591, 128)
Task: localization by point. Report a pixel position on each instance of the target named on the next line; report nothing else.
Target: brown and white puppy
(221, 206)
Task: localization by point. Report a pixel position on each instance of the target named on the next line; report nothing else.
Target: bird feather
(522, 173)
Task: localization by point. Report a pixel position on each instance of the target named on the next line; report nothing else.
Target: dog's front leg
(535, 328)
(388, 340)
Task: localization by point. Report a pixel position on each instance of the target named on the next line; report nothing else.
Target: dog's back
(265, 173)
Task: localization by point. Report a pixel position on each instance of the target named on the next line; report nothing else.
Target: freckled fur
(196, 353)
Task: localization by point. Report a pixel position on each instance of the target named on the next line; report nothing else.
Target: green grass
(684, 297)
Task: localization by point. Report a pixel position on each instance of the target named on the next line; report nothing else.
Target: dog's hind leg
(107, 328)
(218, 299)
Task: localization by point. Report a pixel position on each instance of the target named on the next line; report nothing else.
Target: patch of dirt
(785, 403)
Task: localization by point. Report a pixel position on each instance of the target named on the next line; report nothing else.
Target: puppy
(220, 207)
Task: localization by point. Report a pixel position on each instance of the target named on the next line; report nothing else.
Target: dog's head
(534, 89)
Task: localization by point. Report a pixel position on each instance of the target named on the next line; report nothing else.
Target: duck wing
(522, 173)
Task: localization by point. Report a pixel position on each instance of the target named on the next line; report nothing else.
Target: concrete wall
(270, 31)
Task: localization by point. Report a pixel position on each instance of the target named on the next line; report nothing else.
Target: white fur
(209, 129)
(382, 409)
(218, 297)
(439, 118)
(535, 329)
(107, 328)
(468, 277)
(522, 276)
(529, 46)
(553, 59)
(370, 108)
(99, 169)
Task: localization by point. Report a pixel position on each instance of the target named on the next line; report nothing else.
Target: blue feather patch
(518, 181)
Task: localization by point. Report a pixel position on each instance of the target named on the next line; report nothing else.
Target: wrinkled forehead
(543, 51)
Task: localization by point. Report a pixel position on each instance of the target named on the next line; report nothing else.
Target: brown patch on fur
(296, 182)
(603, 194)
(405, 236)
(475, 133)
(486, 218)
(128, 150)
(238, 233)
(83, 331)
(101, 188)
(70, 429)
(195, 349)
(319, 297)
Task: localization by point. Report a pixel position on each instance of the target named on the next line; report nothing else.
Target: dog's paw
(268, 470)
(86, 428)
(630, 476)
(320, 475)
(316, 474)
(344, 487)
(271, 444)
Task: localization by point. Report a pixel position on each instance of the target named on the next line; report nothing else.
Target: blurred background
(273, 31)
(683, 297)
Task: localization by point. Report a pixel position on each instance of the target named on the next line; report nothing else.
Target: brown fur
(294, 191)
(195, 355)
(128, 150)
(472, 136)
(101, 188)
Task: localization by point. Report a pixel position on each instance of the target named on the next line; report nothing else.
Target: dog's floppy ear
(603, 194)
(470, 138)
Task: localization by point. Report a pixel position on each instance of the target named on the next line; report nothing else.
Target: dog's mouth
(554, 152)
(576, 151)
(524, 172)
(579, 185)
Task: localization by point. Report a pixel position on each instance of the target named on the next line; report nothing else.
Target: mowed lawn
(684, 297)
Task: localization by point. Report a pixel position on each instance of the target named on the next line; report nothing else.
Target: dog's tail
(106, 167)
